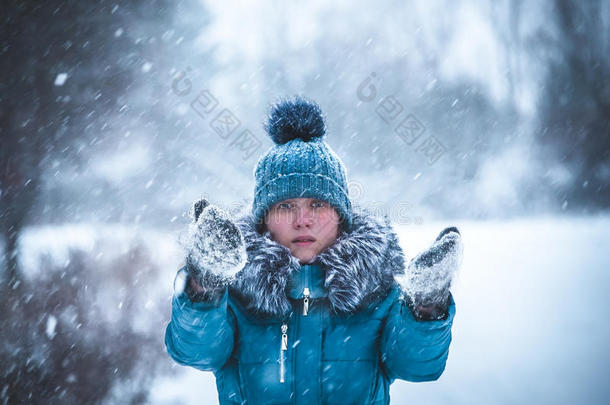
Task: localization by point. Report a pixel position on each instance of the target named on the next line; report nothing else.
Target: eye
(284, 206)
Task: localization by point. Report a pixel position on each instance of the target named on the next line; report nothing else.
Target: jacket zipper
(305, 301)
(283, 349)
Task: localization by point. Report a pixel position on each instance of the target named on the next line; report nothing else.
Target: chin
(305, 257)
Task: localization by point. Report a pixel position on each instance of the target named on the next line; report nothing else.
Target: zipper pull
(305, 301)
(283, 351)
(284, 337)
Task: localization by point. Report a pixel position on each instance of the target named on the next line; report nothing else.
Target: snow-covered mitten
(429, 275)
(215, 252)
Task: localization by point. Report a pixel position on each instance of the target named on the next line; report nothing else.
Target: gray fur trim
(360, 267)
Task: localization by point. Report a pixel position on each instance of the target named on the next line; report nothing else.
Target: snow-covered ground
(530, 325)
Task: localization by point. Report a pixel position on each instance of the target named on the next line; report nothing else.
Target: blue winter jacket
(334, 331)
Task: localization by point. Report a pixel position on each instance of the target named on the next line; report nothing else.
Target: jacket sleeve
(200, 334)
(415, 350)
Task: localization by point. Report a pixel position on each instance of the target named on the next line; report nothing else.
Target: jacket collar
(358, 268)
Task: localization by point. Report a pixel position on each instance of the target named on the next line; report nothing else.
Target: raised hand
(215, 248)
(429, 275)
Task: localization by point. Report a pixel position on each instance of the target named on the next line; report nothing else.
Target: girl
(307, 300)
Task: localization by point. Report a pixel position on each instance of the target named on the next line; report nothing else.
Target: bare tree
(575, 108)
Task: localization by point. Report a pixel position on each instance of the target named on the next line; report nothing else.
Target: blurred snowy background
(493, 116)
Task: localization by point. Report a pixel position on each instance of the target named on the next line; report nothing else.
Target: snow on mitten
(429, 275)
(215, 252)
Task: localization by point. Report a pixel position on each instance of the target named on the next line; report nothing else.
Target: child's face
(295, 220)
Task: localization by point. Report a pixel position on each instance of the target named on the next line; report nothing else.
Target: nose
(304, 217)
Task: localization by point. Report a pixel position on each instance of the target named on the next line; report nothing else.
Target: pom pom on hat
(294, 118)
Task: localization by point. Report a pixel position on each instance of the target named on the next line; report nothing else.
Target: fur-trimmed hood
(359, 267)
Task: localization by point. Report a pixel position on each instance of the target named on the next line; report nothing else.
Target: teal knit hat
(300, 164)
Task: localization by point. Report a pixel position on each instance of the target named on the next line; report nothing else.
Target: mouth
(304, 240)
